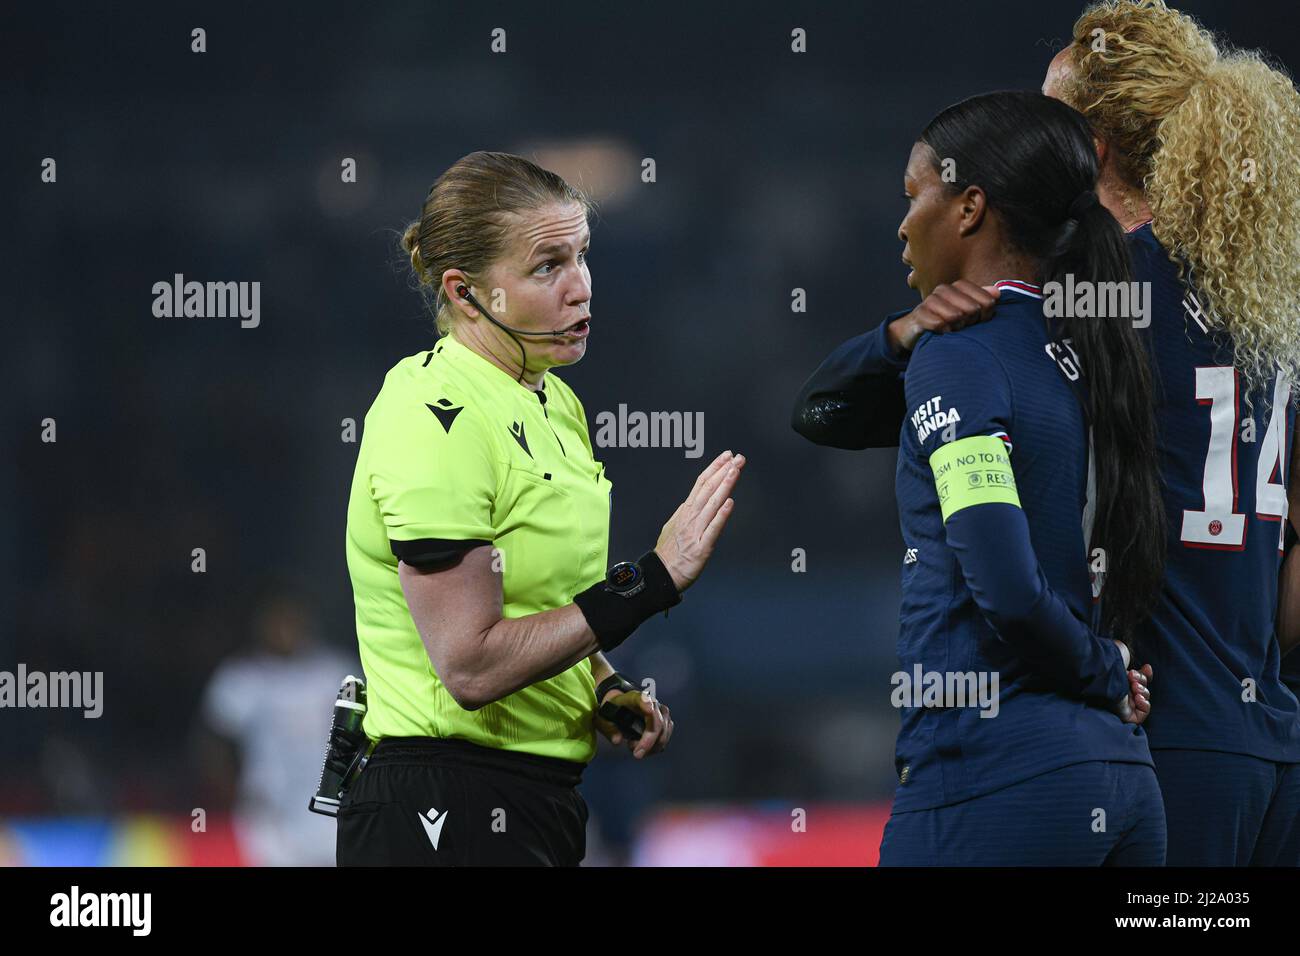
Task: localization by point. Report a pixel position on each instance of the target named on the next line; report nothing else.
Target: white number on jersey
(1219, 524)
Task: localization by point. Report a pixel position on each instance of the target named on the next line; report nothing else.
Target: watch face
(623, 576)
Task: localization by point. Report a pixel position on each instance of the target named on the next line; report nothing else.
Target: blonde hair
(1212, 138)
(467, 217)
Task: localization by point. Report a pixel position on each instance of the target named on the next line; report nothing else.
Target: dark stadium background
(775, 170)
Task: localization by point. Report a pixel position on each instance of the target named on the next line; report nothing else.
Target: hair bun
(411, 244)
(411, 237)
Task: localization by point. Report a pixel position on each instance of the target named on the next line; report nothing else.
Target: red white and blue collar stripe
(1024, 288)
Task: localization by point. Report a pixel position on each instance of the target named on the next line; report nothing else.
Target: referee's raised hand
(687, 540)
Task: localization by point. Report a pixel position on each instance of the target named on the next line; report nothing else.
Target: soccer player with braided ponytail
(1008, 470)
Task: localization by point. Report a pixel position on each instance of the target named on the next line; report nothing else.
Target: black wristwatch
(630, 592)
(625, 579)
(615, 679)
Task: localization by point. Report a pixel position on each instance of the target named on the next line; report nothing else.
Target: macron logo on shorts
(433, 822)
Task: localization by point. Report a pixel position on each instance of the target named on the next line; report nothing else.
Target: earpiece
(468, 296)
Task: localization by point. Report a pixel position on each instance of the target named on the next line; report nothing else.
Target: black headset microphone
(468, 296)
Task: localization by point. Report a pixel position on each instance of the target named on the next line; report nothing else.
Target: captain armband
(973, 471)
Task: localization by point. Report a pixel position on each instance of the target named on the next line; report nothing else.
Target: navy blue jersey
(1224, 461)
(999, 378)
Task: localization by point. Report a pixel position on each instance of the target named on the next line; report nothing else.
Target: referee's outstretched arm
(481, 657)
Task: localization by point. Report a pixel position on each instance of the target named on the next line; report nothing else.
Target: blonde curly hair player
(1207, 144)
(1199, 146)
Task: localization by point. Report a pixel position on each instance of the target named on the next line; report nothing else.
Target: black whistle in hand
(630, 723)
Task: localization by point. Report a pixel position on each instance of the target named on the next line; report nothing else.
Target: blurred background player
(999, 509)
(265, 712)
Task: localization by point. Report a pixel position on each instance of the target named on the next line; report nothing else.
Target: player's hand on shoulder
(947, 309)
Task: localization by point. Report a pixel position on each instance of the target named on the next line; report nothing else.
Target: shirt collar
(463, 355)
(1019, 285)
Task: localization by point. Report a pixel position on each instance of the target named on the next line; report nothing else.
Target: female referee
(1008, 474)
(477, 532)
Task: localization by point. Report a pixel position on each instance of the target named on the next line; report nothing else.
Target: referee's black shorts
(424, 801)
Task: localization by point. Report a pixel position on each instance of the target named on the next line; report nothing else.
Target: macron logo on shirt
(517, 433)
(445, 412)
(433, 821)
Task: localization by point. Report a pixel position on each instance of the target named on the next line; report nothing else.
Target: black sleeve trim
(855, 398)
(433, 553)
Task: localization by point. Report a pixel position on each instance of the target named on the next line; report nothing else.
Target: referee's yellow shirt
(456, 452)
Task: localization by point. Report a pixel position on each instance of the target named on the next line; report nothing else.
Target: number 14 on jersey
(1219, 524)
